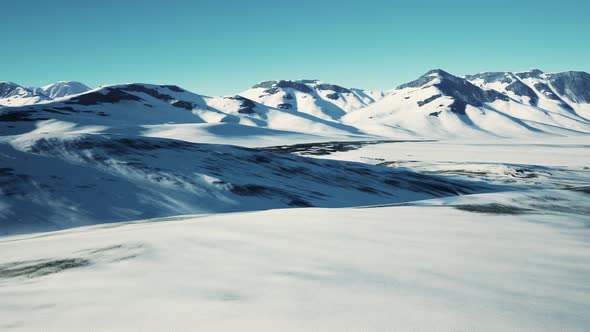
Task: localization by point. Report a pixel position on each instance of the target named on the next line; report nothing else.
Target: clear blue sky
(222, 47)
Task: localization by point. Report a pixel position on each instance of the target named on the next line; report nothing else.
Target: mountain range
(437, 104)
(12, 94)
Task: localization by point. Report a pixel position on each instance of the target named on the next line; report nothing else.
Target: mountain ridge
(436, 104)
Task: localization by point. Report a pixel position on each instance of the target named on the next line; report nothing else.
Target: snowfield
(418, 268)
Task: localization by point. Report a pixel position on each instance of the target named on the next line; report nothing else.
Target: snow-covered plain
(556, 151)
(372, 269)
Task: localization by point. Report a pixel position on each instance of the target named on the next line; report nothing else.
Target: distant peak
(438, 72)
(64, 88)
(427, 78)
(281, 82)
(67, 83)
(531, 73)
(303, 85)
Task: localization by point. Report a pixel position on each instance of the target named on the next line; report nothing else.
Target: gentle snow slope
(395, 268)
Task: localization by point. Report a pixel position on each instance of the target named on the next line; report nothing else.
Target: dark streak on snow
(38, 268)
(326, 148)
(492, 208)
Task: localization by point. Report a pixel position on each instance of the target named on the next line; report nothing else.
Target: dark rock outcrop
(574, 85)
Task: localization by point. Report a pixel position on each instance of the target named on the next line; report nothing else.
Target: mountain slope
(127, 108)
(12, 94)
(566, 92)
(436, 105)
(323, 100)
(72, 178)
(439, 104)
(63, 89)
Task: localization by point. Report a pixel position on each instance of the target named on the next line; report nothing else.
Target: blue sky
(223, 47)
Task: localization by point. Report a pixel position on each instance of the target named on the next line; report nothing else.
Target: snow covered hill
(439, 104)
(12, 94)
(72, 178)
(436, 105)
(323, 100)
(567, 92)
(63, 89)
(127, 107)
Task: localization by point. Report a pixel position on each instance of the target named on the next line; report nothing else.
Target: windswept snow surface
(551, 163)
(557, 151)
(59, 177)
(374, 269)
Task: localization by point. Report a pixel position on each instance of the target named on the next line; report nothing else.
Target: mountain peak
(12, 94)
(427, 78)
(304, 85)
(64, 88)
(460, 89)
(272, 87)
(531, 73)
(437, 72)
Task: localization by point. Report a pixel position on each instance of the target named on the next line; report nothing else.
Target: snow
(557, 151)
(60, 176)
(316, 108)
(400, 115)
(320, 102)
(63, 89)
(420, 268)
(22, 96)
(229, 133)
(12, 94)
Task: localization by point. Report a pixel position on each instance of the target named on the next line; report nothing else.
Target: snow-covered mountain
(555, 92)
(436, 105)
(439, 104)
(323, 100)
(63, 89)
(125, 106)
(12, 94)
